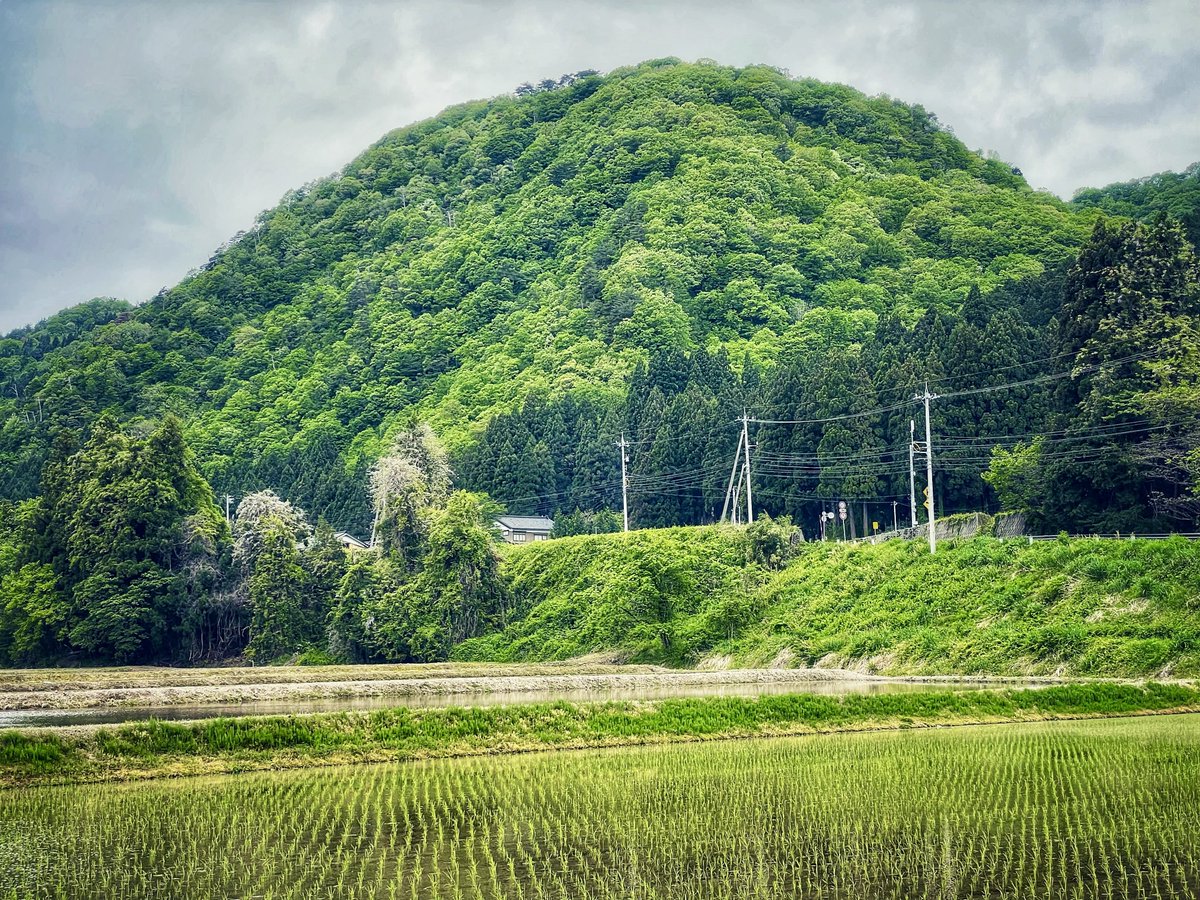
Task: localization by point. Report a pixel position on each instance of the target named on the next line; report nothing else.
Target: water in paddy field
(53, 718)
(1107, 808)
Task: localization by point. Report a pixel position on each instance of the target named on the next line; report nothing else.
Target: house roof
(347, 538)
(526, 523)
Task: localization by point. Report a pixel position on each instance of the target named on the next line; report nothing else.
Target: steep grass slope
(981, 606)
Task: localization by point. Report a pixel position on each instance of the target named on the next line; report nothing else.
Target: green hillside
(537, 246)
(979, 606)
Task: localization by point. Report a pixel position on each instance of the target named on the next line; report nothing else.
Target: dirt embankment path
(179, 676)
(127, 688)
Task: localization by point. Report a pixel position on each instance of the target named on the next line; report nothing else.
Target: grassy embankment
(980, 606)
(228, 745)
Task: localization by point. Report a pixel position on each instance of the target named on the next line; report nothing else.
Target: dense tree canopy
(1121, 450)
(1173, 194)
(107, 560)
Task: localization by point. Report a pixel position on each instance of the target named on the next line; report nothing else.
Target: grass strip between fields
(158, 749)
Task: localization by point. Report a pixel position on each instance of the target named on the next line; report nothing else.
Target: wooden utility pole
(624, 483)
(746, 451)
(927, 397)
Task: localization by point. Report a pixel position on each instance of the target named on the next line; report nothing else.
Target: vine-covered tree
(405, 484)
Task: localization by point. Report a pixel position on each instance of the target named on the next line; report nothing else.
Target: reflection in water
(50, 718)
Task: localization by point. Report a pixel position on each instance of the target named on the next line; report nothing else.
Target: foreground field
(1065, 810)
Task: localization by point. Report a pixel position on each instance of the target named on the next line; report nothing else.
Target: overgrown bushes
(979, 606)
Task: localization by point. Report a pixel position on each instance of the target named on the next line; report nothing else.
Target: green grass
(32, 755)
(160, 748)
(979, 606)
(1066, 810)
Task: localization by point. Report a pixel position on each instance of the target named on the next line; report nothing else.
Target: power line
(857, 415)
(1053, 376)
(1116, 429)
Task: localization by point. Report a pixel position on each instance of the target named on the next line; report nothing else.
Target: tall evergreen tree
(1129, 316)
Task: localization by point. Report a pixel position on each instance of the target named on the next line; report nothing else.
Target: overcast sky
(136, 137)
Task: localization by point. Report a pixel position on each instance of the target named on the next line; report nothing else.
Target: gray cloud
(135, 137)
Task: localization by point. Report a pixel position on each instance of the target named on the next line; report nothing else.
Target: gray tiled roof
(526, 523)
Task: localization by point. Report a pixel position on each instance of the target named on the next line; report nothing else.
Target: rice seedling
(1106, 808)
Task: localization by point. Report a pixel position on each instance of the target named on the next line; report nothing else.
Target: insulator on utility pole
(624, 484)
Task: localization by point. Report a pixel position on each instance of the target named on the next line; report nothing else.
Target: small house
(524, 529)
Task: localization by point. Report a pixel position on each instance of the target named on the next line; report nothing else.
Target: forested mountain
(539, 245)
(490, 299)
(649, 252)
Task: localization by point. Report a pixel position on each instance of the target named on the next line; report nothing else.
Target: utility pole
(912, 478)
(895, 524)
(624, 483)
(929, 468)
(746, 450)
(732, 476)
